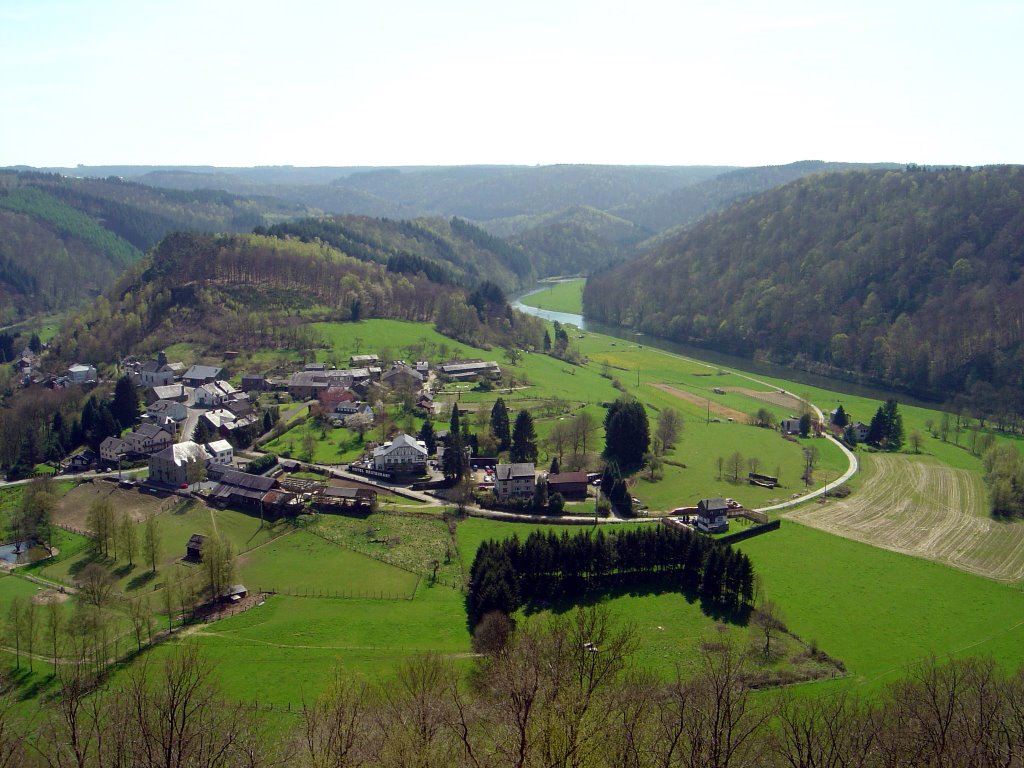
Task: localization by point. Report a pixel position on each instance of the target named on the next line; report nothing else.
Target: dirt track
(716, 408)
(920, 507)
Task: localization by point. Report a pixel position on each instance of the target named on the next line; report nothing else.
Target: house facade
(572, 485)
(171, 465)
(155, 374)
(514, 480)
(712, 515)
(403, 454)
(198, 375)
(148, 438)
(80, 373)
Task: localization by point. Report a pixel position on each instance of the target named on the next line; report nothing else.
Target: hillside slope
(230, 292)
(67, 239)
(910, 278)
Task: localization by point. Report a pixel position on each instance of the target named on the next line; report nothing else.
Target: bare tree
(54, 629)
(735, 464)
(96, 585)
(336, 728)
(670, 426)
(151, 541)
(768, 618)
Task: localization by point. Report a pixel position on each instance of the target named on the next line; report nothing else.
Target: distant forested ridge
(909, 278)
(259, 291)
(68, 239)
(453, 252)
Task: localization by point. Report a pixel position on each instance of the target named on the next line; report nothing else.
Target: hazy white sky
(528, 82)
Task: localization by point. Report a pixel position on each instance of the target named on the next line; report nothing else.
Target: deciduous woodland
(909, 278)
(559, 692)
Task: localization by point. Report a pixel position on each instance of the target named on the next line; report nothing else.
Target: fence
(340, 594)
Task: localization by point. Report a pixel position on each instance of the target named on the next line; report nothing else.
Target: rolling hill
(68, 239)
(908, 278)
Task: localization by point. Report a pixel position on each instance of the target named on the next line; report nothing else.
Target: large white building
(403, 454)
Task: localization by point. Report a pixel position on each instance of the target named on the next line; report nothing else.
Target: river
(745, 364)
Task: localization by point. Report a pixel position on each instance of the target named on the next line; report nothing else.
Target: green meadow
(561, 296)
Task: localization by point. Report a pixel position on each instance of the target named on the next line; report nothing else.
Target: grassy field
(284, 651)
(301, 563)
(563, 296)
(411, 542)
(332, 445)
(880, 611)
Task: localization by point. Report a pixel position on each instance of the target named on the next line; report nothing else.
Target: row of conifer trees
(511, 573)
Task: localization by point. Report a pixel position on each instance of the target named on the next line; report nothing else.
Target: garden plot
(73, 508)
(920, 507)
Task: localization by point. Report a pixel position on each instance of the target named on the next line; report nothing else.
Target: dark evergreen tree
(125, 405)
(524, 439)
(555, 468)
(840, 419)
(203, 433)
(426, 434)
(627, 434)
(805, 425)
(540, 497)
(500, 425)
(453, 462)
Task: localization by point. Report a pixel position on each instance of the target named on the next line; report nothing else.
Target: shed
(569, 484)
(194, 548)
(234, 593)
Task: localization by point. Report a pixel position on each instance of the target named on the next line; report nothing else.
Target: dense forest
(68, 239)
(911, 279)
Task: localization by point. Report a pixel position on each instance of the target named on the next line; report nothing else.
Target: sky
(528, 82)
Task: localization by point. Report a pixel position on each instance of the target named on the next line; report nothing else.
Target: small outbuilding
(234, 593)
(194, 548)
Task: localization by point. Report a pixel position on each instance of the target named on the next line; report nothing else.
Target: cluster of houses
(26, 366)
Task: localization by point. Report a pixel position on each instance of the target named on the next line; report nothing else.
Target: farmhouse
(357, 361)
(82, 460)
(170, 409)
(220, 452)
(148, 438)
(514, 480)
(403, 454)
(790, 426)
(471, 369)
(173, 392)
(572, 485)
(198, 375)
(860, 432)
(254, 382)
(113, 449)
(712, 515)
(156, 373)
(214, 393)
(81, 374)
(401, 376)
(241, 489)
(171, 465)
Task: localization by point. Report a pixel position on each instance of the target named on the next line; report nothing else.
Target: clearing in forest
(921, 507)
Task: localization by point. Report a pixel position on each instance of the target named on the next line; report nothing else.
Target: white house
(112, 449)
(80, 373)
(213, 394)
(175, 411)
(403, 454)
(156, 373)
(860, 432)
(148, 438)
(712, 515)
(220, 452)
(514, 480)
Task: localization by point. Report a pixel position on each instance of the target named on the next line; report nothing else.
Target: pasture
(560, 296)
(301, 563)
(880, 611)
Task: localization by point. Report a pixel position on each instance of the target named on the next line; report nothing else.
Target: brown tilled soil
(775, 398)
(73, 507)
(921, 507)
(716, 408)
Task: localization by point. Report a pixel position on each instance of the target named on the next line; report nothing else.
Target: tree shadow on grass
(141, 580)
(124, 570)
(567, 598)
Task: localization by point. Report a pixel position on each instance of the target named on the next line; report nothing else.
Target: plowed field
(923, 508)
